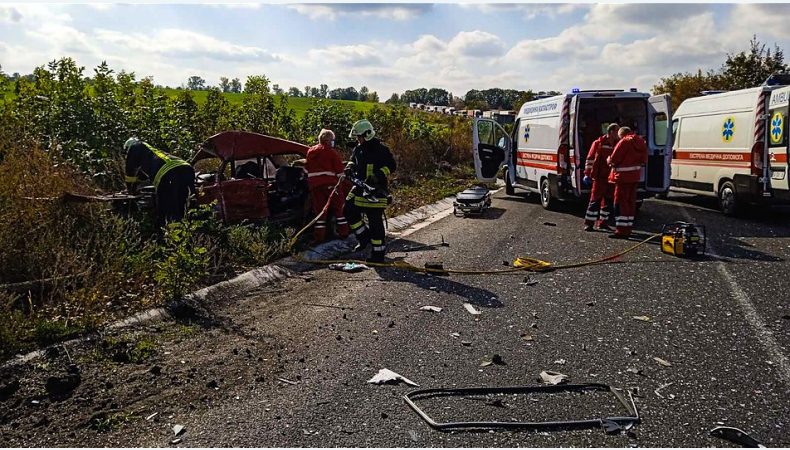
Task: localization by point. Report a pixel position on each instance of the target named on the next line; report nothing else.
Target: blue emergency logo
(777, 128)
(728, 130)
(526, 133)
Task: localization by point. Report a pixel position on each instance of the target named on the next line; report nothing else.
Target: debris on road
(663, 386)
(560, 361)
(527, 337)
(662, 362)
(178, 429)
(427, 246)
(148, 418)
(386, 376)
(431, 308)
(736, 436)
(590, 303)
(471, 309)
(636, 371)
(455, 335)
(292, 383)
(553, 378)
(175, 441)
(493, 359)
(413, 435)
(550, 224)
(643, 318)
(466, 343)
(529, 281)
(349, 267)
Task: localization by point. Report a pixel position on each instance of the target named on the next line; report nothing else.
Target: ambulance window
(660, 129)
(501, 137)
(485, 132)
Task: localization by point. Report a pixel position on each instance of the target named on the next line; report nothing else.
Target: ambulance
(733, 146)
(546, 152)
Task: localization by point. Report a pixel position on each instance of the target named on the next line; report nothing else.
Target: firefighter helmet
(129, 143)
(362, 128)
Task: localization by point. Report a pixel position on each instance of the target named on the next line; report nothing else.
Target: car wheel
(728, 202)
(545, 195)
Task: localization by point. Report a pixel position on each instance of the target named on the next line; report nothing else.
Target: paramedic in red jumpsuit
(596, 170)
(627, 160)
(324, 169)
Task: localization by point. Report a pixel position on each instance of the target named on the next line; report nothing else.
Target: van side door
(659, 143)
(491, 148)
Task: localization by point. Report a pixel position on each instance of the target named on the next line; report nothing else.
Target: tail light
(562, 159)
(757, 159)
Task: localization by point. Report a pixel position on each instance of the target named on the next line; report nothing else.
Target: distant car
(253, 177)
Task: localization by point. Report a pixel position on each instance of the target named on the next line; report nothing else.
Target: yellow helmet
(362, 128)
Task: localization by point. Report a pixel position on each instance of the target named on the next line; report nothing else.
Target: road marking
(761, 331)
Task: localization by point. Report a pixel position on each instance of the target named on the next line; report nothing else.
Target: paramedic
(596, 171)
(626, 161)
(324, 169)
(371, 162)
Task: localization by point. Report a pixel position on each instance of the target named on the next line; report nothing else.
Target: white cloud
(183, 44)
(763, 20)
(332, 11)
(346, 55)
(527, 10)
(568, 45)
(476, 44)
(32, 13)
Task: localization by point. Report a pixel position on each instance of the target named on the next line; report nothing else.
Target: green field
(298, 104)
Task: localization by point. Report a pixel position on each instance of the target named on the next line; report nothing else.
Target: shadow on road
(482, 298)
(490, 214)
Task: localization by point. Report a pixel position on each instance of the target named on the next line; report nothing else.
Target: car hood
(237, 145)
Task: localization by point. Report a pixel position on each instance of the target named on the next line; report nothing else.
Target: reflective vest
(171, 162)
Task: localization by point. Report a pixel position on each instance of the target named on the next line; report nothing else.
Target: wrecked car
(252, 177)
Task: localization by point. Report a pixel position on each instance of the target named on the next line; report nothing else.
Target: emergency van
(547, 150)
(733, 146)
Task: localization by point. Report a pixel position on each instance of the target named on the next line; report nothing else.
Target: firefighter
(371, 162)
(324, 169)
(596, 171)
(626, 161)
(172, 177)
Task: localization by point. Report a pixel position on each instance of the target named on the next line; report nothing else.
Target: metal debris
(663, 386)
(736, 436)
(293, 383)
(493, 359)
(389, 377)
(178, 429)
(431, 308)
(553, 378)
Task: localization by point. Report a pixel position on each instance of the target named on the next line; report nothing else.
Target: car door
(659, 159)
(244, 199)
(491, 146)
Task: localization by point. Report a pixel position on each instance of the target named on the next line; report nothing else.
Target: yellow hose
(521, 264)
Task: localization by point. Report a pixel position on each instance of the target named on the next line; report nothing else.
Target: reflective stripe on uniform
(341, 220)
(376, 241)
(386, 171)
(369, 171)
(627, 169)
(318, 174)
(354, 226)
(359, 231)
(320, 224)
(363, 203)
(171, 162)
(129, 179)
(379, 248)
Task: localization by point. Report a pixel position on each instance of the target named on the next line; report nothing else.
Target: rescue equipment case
(683, 239)
(476, 199)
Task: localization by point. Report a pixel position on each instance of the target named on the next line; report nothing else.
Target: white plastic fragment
(388, 376)
(431, 308)
(471, 309)
(550, 377)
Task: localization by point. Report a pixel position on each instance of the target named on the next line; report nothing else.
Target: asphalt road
(722, 322)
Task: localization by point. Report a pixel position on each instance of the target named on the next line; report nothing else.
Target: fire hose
(520, 264)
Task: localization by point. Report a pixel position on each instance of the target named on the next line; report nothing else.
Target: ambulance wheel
(545, 195)
(728, 202)
(509, 189)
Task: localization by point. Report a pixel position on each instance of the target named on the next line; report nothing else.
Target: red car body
(253, 180)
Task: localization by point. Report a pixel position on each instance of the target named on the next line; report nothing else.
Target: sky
(392, 47)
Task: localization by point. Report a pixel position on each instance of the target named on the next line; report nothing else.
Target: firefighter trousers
(370, 233)
(172, 194)
(624, 207)
(320, 196)
(601, 202)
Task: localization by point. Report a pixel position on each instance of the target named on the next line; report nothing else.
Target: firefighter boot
(363, 238)
(377, 254)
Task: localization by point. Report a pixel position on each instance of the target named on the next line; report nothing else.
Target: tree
(235, 85)
(393, 100)
(681, 86)
(307, 91)
(314, 92)
(224, 84)
(373, 97)
(195, 83)
(363, 94)
(276, 89)
(751, 68)
(324, 91)
(294, 92)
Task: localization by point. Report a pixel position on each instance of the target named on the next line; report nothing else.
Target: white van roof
(741, 100)
(553, 105)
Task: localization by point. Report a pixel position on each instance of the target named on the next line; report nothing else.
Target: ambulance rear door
(574, 154)
(659, 143)
(492, 147)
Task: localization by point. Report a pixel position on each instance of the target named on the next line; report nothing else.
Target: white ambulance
(551, 137)
(733, 145)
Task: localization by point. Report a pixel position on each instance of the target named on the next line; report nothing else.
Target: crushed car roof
(237, 145)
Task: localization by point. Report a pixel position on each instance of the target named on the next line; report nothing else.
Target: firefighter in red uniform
(596, 171)
(324, 168)
(627, 159)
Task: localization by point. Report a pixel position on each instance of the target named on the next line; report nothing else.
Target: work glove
(587, 181)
